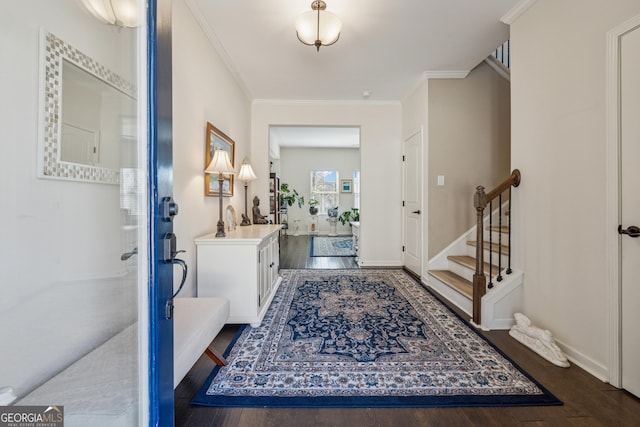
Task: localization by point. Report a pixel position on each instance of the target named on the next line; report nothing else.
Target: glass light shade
(307, 28)
(246, 173)
(122, 13)
(220, 164)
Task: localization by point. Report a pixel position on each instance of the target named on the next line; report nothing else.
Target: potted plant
(313, 207)
(289, 196)
(348, 216)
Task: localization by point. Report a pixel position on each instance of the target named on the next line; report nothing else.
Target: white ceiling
(312, 136)
(385, 47)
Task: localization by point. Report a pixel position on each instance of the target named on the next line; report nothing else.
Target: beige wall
(558, 142)
(203, 91)
(468, 136)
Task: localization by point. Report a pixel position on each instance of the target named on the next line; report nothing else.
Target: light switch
(440, 180)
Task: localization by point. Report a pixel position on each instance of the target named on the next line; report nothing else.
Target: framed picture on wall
(217, 140)
(345, 186)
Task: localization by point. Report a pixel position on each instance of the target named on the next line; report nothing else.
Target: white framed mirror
(87, 116)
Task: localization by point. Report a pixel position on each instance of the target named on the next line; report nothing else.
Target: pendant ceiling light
(121, 13)
(318, 27)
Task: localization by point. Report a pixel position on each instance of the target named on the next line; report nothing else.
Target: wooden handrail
(480, 202)
(513, 180)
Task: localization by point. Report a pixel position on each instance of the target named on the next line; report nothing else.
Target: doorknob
(416, 212)
(632, 231)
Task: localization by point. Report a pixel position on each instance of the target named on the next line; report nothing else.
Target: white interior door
(630, 207)
(413, 203)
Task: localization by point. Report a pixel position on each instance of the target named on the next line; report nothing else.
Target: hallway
(295, 253)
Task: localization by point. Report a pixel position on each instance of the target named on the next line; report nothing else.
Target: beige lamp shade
(220, 164)
(246, 173)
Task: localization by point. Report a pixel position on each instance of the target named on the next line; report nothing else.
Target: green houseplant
(289, 196)
(348, 216)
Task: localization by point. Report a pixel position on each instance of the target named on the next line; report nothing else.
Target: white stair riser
(495, 236)
(468, 273)
(461, 270)
(471, 251)
(459, 300)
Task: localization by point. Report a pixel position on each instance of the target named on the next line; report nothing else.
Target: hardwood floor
(294, 253)
(587, 400)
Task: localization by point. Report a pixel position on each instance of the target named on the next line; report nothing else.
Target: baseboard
(380, 264)
(594, 368)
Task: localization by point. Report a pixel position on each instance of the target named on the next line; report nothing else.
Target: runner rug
(364, 338)
(331, 246)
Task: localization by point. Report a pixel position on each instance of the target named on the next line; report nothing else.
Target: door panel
(161, 405)
(630, 207)
(413, 203)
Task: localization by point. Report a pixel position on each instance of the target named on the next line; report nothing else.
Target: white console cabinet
(243, 267)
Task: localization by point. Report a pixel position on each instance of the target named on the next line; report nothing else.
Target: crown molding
(327, 102)
(459, 74)
(515, 12)
(498, 67)
(198, 15)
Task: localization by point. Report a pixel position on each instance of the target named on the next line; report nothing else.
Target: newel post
(479, 279)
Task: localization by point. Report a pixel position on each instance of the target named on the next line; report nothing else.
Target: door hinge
(403, 203)
(402, 248)
(403, 157)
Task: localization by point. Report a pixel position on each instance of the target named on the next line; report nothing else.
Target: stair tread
(494, 247)
(504, 229)
(456, 282)
(470, 262)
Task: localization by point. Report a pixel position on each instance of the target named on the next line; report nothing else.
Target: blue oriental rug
(364, 338)
(331, 246)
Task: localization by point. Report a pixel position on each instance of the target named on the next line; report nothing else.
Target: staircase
(451, 272)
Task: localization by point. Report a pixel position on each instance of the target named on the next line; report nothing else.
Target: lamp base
(221, 232)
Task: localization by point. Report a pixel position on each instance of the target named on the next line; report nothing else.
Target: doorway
(624, 203)
(412, 203)
(320, 163)
(74, 309)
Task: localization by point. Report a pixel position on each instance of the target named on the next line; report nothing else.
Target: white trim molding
(613, 195)
(499, 68)
(517, 11)
(454, 74)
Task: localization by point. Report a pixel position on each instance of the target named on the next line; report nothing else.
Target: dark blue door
(162, 210)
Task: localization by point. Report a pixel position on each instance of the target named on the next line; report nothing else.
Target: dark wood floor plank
(588, 401)
(295, 253)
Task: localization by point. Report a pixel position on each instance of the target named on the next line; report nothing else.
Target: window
(324, 188)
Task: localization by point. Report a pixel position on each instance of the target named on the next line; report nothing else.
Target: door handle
(125, 256)
(416, 212)
(632, 231)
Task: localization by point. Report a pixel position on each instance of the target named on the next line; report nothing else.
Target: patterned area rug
(364, 338)
(331, 246)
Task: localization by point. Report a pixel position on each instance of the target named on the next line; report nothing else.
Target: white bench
(100, 389)
(196, 323)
